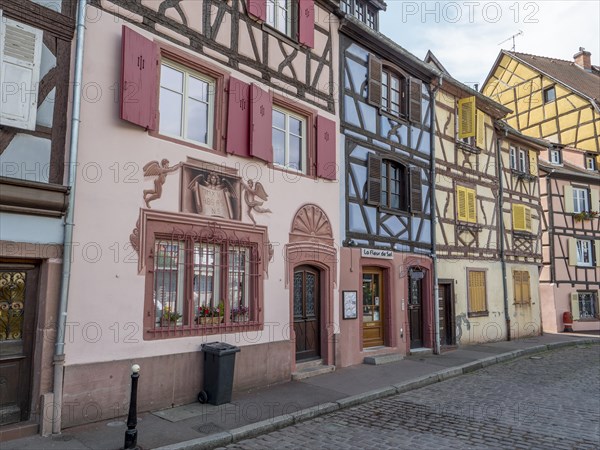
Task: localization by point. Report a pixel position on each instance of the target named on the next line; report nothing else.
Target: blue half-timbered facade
(385, 119)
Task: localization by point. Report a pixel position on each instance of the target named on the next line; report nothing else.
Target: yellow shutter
(517, 286)
(525, 287)
(568, 197)
(527, 218)
(595, 200)
(572, 251)
(533, 167)
(466, 117)
(461, 203)
(575, 305)
(480, 137)
(472, 206)
(476, 291)
(597, 245)
(518, 212)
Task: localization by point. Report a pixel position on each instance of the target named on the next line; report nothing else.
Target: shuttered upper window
(521, 286)
(477, 292)
(393, 92)
(393, 185)
(289, 140)
(279, 15)
(471, 123)
(186, 104)
(521, 218)
(20, 57)
(294, 18)
(466, 204)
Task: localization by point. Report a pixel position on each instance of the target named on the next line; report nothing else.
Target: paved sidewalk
(252, 413)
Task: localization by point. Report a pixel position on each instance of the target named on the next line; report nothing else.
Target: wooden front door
(415, 310)
(18, 292)
(446, 312)
(306, 313)
(372, 304)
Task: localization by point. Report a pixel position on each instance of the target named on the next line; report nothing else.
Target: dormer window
(362, 11)
(590, 162)
(555, 156)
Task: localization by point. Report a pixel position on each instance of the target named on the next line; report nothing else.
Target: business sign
(376, 253)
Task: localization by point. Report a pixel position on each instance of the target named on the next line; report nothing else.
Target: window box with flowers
(240, 314)
(208, 315)
(585, 215)
(169, 317)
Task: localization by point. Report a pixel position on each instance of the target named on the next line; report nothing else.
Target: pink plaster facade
(395, 293)
(562, 276)
(109, 325)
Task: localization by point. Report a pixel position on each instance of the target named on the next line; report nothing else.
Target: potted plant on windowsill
(208, 315)
(239, 314)
(169, 317)
(585, 215)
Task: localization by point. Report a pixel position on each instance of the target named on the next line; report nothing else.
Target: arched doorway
(306, 307)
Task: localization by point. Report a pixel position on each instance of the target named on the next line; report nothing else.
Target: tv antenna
(520, 33)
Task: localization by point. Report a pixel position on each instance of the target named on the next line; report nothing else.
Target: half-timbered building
(35, 55)
(385, 261)
(520, 228)
(570, 279)
(211, 152)
(476, 244)
(549, 98)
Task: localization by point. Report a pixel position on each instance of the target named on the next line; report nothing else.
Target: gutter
(59, 351)
(500, 168)
(436, 287)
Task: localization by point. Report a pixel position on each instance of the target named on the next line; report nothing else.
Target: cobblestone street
(547, 401)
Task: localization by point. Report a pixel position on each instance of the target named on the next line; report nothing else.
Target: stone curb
(269, 425)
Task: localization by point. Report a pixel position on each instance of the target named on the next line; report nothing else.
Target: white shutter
(568, 197)
(595, 200)
(575, 305)
(21, 52)
(572, 251)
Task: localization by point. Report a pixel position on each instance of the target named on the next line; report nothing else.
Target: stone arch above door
(311, 224)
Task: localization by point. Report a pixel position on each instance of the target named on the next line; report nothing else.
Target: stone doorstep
(421, 351)
(382, 359)
(311, 371)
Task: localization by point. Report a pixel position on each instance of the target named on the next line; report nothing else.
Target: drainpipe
(436, 288)
(59, 351)
(500, 168)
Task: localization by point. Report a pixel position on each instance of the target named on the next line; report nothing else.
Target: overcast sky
(465, 35)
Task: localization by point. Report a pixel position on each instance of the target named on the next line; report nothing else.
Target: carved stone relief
(160, 172)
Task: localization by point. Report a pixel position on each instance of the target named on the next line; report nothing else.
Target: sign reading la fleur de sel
(376, 253)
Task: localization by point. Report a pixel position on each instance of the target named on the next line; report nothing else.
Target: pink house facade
(207, 200)
(570, 277)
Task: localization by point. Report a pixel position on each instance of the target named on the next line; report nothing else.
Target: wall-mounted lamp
(349, 243)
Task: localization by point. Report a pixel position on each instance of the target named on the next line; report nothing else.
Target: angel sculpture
(251, 192)
(160, 171)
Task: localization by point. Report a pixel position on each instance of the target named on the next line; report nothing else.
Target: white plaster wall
(106, 295)
(471, 330)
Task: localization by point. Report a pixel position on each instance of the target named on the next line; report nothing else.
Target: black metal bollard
(131, 433)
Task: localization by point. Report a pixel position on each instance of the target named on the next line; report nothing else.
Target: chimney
(583, 59)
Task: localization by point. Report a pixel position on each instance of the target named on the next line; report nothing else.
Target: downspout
(436, 288)
(501, 231)
(59, 351)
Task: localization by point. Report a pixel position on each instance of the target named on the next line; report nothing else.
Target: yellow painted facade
(570, 119)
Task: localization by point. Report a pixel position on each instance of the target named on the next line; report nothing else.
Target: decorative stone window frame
(155, 225)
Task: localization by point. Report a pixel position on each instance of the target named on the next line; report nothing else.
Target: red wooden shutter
(261, 124)
(258, 9)
(139, 80)
(326, 148)
(306, 22)
(238, 119)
